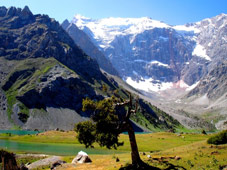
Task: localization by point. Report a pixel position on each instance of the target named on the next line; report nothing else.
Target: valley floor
(183, 151)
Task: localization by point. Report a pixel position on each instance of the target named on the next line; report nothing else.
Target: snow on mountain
(148, 85)
(105, 30)
(200, 51)
(153, 62)
(185, 28)
(192, 86)
(145, 51)
(159, 63)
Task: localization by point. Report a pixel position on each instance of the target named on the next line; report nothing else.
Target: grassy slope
(198, 155)
(193, 150)
(24, 84)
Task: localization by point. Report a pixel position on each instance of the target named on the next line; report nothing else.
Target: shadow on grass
(141, 166)
(145, 166)
(174, 167)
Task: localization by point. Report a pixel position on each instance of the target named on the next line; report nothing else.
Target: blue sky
(170, 11)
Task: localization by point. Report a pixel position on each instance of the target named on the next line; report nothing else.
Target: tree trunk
(8, 161)
(3, 163)
(10, 164)
(134, 149)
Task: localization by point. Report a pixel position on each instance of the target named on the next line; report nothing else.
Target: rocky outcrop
(214, 84)
(45, 162)
(63, 88)
(4, 121)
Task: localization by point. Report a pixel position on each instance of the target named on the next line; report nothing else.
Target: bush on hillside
(203, 132)
(218, 139)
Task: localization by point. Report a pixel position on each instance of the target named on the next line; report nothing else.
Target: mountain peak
(3, 11)
(26, 10)
(12, 11)
(222, 15)
(65, 24)
(26, 13)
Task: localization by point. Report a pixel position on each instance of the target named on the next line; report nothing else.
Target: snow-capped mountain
(152, 55)
(104, 31)
(181, 67)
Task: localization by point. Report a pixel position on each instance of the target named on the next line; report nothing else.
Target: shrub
(218, 139)
(203, 132)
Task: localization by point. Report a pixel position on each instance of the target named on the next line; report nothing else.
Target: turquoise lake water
(44, 148)
(19, 132)
(51, 149)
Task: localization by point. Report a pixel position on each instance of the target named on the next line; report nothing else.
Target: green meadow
(189, 150)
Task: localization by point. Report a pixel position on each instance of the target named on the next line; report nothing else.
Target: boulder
(44, 162)
(23, 167)
(177, 157)
(81, 157)
(56, 164)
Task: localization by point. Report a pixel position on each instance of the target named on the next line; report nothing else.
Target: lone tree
(110, 118)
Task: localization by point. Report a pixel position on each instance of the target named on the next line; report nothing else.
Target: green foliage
(218, 139)
(149, 116)
(104, 129)
(146, 120)
(85, 133)
(88, 104)
(104, 88)
(23, 109)
(11, 99)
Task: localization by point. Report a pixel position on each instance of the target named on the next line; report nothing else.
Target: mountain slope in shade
(44, 76)
(84, 42)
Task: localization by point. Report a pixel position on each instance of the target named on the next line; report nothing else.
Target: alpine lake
(44, 148)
